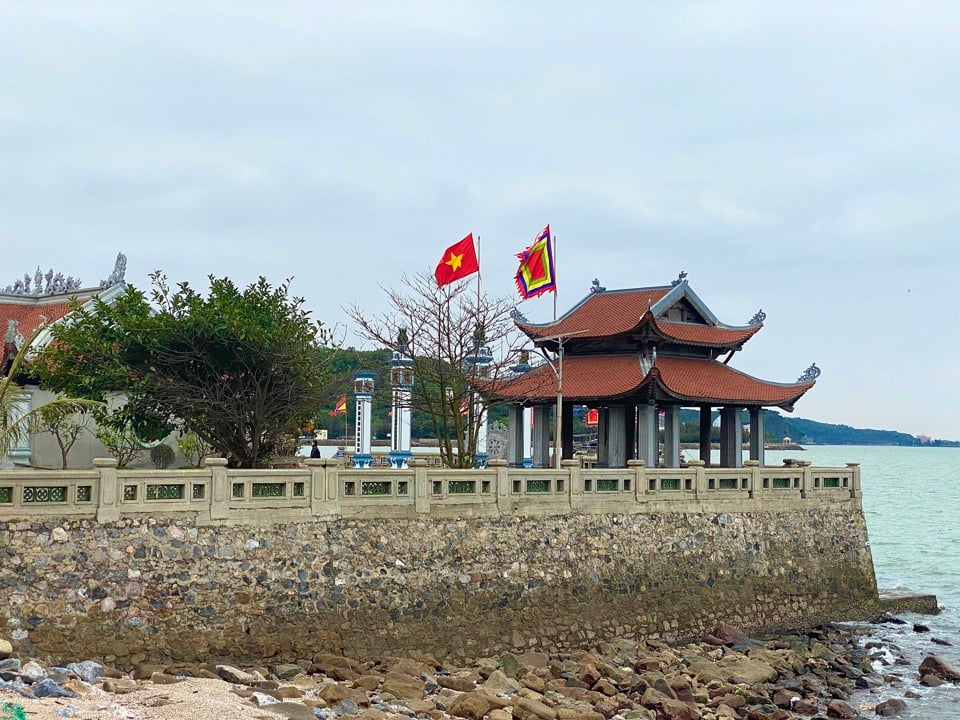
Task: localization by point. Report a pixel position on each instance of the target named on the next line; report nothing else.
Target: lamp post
(558, 371)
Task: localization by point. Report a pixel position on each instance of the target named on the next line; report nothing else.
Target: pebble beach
(726, 675)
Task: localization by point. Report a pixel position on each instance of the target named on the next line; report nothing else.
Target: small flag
(593, 417)
(341, 406)
(536, 275)
(458, 261)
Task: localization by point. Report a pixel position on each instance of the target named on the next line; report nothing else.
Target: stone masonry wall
(152, 589)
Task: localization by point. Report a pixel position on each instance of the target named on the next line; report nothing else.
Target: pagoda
(635, 355)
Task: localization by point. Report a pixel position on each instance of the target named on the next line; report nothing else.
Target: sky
(796, 157)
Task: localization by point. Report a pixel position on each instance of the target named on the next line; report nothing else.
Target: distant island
(811, 432)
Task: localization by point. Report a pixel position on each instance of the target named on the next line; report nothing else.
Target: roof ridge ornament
(119, 268)
(596, 287)
(758, 317)
(811, 373)
(681, 278)
(518, 316)
(43, 284)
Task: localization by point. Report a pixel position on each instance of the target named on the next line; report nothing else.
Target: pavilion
(633, 354)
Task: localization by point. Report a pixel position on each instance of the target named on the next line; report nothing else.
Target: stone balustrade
(326, 489)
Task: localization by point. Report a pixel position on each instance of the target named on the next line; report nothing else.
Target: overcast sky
(799, 157)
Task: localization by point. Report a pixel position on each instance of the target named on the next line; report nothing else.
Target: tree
(238, 368)
(17, 424)
(66, 431)
(442, 330)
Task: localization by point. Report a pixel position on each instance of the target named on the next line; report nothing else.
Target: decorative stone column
(363, 391)
(616, 437)
(401, 381)
(515, 446)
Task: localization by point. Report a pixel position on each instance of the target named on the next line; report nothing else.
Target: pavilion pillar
(603, 434)
(617, 454)
(706, 433)
(566, 442)
(630, 431)
(756, 435)
(527, 437)
(541, 436)
(671, 436)
(515, 447)
(648, 434)
(731, 438)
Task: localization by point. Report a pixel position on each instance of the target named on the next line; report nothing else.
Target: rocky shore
(802, 674)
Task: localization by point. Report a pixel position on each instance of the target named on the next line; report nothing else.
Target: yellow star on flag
(455, 261)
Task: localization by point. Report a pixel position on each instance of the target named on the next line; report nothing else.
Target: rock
(918, 628)
(294, 711)
(120, 686)
(806, 706)
(840, 709)
(6, 649)
(50, 688)
(891, 707)
(456, 682)
(936, 665)
(159, 678)
(498, 682)
(88, 670)
(33, 671)
(529, 709)
(725, 635)
(236, 675)
(403, 687)
(472, 705)
(512, 666)
(751, 672)
(931, 681)
(287, 671)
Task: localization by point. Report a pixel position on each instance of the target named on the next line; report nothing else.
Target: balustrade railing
(326, 488)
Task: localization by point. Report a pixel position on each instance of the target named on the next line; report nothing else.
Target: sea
(911, 502)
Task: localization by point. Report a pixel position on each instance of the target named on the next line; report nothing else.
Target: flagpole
(554, 240)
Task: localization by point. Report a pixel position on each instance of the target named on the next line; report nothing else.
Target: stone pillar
(401, 380)
(220, 491)
(617, 442)
(603, 437)
(756, 435)
(566, 442)
(515, 433)
(363, 437)
(649, 445)
(527, 437)
(421, 487)
(108, 502)
(731, 438)
(671, 436)
(706, 433)
(630, 431)
(541, 436)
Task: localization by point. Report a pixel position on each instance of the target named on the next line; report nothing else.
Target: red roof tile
(31, 311)
(694, 380)
(706, 334)
(601, 314)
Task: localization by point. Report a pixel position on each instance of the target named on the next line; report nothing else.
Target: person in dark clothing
(314, 450)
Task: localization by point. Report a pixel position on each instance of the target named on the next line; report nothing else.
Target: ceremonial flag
(341, 407)
(536, 275)
(458, 261)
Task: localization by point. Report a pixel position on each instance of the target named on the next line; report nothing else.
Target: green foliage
(162, 456)
(121, 442)
(193, 448)
(15, 427)
(238, 368)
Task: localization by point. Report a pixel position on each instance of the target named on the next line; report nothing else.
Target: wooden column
(671, 436)
(706, 431)
(756, 435)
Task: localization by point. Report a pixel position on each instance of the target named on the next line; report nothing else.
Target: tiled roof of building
(600, 314)
(592, 378)
(694, 334)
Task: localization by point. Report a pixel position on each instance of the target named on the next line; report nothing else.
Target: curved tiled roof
(600, 314)
(694, 334)
(693, 380)
(31, 315)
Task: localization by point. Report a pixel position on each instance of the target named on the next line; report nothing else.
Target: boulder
(891, 707)
(471, 705)
(936, 665)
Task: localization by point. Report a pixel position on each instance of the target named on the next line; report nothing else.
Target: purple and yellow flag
(536, 274)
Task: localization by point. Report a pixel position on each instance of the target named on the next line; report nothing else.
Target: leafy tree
(120, 441)
(441, 329)
(16, 426)
(193, 448)
(240, 368)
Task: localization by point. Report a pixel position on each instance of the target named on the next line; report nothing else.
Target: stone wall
(139, 589)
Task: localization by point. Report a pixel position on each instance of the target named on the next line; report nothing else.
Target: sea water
(911, 501)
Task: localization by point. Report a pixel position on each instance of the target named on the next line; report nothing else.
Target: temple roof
(611, 313)
(589, 379)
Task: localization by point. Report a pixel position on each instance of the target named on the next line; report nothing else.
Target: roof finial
(811, 373)
(758, 317)
(518, 316)
(681, 278)
(596, 287)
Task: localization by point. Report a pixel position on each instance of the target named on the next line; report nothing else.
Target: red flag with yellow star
(458, 261)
